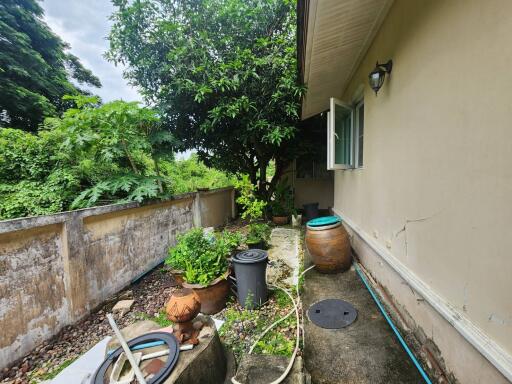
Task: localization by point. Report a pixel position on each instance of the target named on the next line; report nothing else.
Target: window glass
(342, 135)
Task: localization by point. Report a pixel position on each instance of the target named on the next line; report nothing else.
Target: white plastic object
(120, 374)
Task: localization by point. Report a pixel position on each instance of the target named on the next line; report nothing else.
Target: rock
(126, 295)
(264, 369)
(122, 307)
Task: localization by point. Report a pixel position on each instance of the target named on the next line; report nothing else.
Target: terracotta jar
(183, 306)
(212, 296)
(329, 246)
(280, 220)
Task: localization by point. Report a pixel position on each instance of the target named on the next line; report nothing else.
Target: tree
(36, 70)
(223, 74)
(93, 154)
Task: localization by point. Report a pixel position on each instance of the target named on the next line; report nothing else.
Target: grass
(281, 298)
(243, 326)
(161, 319)
(54, 372)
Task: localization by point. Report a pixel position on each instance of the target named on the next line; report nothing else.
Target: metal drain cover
(332, 314)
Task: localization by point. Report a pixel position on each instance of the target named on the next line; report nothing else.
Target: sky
(84, 24)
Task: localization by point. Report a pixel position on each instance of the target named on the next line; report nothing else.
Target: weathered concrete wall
(55, 269)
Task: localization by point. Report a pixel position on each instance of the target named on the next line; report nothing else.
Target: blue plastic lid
(323, 221)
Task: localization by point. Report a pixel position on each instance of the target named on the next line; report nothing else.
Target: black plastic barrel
(250, 272)
(311, 211)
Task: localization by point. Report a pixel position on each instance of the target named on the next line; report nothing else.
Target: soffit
(338, 35)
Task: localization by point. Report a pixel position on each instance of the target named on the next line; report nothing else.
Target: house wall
(433, 202)
(55, 269)
(311, 189)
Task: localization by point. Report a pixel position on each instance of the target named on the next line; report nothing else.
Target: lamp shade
(377, 76)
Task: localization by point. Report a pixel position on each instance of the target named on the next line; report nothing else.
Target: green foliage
(161, 318)
(191, 174)
(202, 257)
(35, 68)
(282, 199)
(55, 371)
(252, 207)
(281, 298)
(91, 155)
(258, 232)
(222, 72)
(274, 343)
(188, 246)
(242, 326)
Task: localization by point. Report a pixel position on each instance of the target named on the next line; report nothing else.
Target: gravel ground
(150, 295)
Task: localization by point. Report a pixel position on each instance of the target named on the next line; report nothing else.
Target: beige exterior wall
(436, 188)
(55, 269)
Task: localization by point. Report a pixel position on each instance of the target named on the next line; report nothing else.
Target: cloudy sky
(84, 24)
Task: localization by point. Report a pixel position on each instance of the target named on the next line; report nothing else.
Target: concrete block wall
(55, 269)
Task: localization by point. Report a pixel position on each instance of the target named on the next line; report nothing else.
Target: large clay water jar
(328, 244)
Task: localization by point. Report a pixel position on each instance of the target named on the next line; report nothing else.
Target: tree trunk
(157, 169)
(129, 157)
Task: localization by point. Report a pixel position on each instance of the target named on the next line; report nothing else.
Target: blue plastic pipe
(392, 325)
(141, 346)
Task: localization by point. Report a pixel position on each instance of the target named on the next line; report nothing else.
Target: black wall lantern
(376, 77)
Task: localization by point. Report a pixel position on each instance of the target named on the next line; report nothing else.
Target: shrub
(203, 258)
(252, 207)
(282, 199)
(258, 232)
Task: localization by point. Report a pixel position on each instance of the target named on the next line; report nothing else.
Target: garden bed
(48, 359)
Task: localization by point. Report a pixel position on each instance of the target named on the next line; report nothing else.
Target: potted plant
(258, 236)
(281, 204)
(203, 260)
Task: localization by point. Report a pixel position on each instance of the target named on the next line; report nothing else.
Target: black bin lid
(250, 256)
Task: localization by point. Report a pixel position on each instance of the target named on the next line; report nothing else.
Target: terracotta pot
(329, 248)
(213, 296)
(280, 220)
(183, 305)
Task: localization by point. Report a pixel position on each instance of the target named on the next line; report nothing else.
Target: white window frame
(354, 133)
(331, 165)
(355, 142)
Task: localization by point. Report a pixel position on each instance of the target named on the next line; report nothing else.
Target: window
(345, 133)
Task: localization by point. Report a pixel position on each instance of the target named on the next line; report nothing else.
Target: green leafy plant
(259, 232)
(36, 67)
(203, 258)
(282, 200)
(253, 208)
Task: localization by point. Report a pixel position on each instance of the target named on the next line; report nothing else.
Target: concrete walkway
(366, 351)
(283, 256)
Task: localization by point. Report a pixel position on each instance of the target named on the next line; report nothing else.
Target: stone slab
(284, 256)
(264, 369)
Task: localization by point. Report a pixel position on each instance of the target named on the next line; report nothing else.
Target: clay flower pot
(280, 220)
(212, 296)
(183, 306)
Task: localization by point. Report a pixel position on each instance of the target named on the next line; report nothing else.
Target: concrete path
(365, 352)
(284, 256)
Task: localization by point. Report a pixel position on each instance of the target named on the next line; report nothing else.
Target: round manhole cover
(332, 313)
